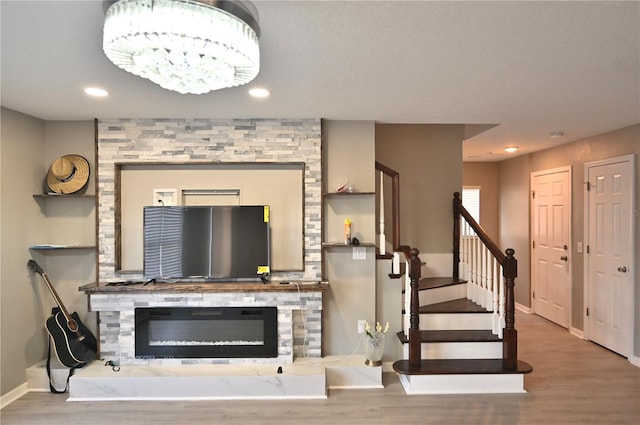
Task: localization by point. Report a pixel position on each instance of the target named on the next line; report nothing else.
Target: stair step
(461, 305)
(461, 376)
(452, 336)
(459, 367)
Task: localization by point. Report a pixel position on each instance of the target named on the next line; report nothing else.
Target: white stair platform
(462, 384)
(349, 372)
(308, 378)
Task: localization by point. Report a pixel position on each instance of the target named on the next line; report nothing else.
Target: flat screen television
(212, 243)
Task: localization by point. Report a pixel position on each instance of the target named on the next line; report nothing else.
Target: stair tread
(459, 366)
(466, 335)
(460, 305)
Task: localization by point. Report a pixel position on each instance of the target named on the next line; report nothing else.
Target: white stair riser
(456, 321)
(446, 293)
(458, 350)
(463, 384)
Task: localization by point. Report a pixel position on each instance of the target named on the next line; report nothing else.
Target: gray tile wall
(117, 321)
(207, 140)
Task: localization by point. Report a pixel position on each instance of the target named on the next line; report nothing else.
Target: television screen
(207, 242)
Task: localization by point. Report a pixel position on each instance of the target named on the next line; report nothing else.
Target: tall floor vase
(374, 348)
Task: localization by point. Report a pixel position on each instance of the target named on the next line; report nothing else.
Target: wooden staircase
(459, 353)
(459, 332)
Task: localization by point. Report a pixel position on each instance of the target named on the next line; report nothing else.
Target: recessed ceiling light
(511, 149)
(556, 134)
(96, 92)
(259, 92)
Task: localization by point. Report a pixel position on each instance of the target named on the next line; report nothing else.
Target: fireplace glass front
(206, 332)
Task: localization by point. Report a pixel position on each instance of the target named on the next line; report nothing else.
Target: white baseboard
(634, 360)
(576, 332)
(13, 395)
(524, 308)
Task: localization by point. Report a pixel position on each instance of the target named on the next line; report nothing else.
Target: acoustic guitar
(73, 342)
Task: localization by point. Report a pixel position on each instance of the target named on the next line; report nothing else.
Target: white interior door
(608, 268)
(551, 239)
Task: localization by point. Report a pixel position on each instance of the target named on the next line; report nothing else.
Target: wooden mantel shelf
(203, 287)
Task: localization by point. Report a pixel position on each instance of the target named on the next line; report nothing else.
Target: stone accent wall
(117, 322)
(208, 141)
(204, 140)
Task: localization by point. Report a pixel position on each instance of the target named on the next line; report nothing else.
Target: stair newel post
(457, 201)
(510, 336)
(415, 354)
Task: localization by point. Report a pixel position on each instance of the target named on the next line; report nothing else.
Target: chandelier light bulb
(186, 46)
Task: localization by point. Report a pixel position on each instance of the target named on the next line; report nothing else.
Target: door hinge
(588, 250)
(533, 194)
(587, 311)
(533, 244)
(588, 186)
(534, 294)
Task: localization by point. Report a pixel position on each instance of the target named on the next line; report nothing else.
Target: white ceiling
(521, 69)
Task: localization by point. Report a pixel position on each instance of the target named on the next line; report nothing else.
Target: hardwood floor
(573, 382)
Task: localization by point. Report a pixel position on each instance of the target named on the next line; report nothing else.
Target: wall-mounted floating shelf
(51, 247)
(61, 196)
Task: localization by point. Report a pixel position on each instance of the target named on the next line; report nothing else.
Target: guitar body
(69, 349)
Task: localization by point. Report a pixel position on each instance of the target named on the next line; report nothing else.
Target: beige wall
(22, 167)
(484, 175)
(514, 181)
(348, 152)
(428, 160)
(513, 221)
(28, 146)
(280, 186)
(577, 154)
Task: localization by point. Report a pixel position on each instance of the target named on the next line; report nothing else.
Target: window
(471, 202)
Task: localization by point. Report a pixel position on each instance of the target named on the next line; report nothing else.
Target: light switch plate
(359, 253)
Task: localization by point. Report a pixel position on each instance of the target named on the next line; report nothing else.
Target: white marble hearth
(303, 379)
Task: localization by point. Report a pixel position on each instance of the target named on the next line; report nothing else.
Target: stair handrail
(395, 201)
(509, 266)
(460, 211)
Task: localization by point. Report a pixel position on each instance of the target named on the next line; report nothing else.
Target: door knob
(622, 269)
(565, 258)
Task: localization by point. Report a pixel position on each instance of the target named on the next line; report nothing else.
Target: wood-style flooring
(573, 382)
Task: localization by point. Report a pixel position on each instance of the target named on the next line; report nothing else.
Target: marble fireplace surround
(299, 315)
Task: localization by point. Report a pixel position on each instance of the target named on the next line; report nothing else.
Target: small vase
(374, 349)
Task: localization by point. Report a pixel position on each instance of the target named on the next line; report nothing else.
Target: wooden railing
(395, 207)
(490, 275)
(415, 341)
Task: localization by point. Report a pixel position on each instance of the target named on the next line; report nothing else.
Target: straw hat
(68, 174)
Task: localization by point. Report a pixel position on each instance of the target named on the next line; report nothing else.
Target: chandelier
(186, 46)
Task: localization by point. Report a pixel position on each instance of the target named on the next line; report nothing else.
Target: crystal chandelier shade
(185, 46)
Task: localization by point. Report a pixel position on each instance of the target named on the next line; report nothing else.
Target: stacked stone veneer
(206, 141)
(117, 321)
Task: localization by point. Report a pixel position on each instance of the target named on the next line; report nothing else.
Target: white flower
(379, 330)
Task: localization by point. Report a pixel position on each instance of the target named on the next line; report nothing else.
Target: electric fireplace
(206, 332)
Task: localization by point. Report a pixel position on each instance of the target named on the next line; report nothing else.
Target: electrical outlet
(361, 326)
(165, 197)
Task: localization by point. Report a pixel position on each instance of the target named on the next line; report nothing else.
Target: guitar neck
(63, 309)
